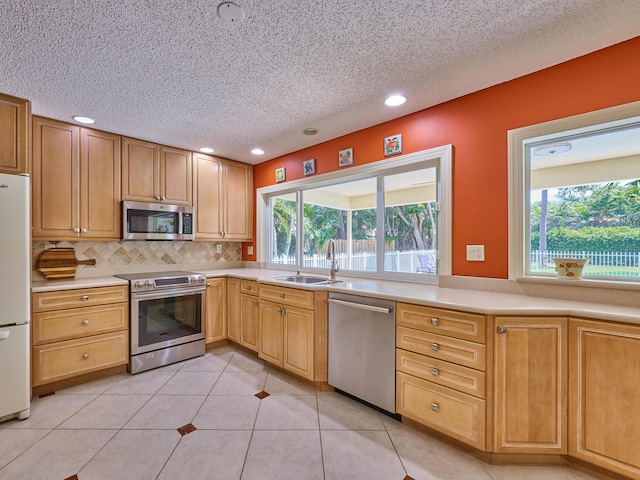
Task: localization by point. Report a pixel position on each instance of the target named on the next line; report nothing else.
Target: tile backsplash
(135, 256)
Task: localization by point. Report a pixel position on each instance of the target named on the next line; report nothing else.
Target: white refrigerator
(15, 274)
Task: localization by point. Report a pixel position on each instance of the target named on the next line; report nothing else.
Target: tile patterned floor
(126, 427)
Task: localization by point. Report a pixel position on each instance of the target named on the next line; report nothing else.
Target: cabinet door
(604, 418)
(15, 115)
(249, 315)
(530, 385)
(270, 333)
(298, 341)
(207, 198)
(233, 309)
(238, 203)
(175, 176)
(100, 210)
(56, 180)
(216, 310)
(140, 171)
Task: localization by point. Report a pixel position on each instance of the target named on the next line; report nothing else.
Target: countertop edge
(473, 301)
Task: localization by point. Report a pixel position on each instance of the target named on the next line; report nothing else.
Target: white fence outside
(602, 264)
(394, 261)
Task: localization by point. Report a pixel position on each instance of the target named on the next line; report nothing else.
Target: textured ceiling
(174, 72)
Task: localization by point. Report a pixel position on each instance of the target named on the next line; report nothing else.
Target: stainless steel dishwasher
(362, 339)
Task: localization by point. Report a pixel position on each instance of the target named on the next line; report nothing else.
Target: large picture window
(580, 197)
(383, 219)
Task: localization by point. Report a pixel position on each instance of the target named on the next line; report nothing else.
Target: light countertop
(487, 303)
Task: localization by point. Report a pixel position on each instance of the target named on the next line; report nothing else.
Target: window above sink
(390, 219)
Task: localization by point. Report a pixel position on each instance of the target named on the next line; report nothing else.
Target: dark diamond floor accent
(408, 478)
(72, 477)
(188, 428)
(262, 395)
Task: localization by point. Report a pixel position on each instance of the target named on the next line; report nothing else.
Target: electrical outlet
(218, 248)
(250, 250)
(475, 253)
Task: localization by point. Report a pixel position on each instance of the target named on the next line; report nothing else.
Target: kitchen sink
(308, 279)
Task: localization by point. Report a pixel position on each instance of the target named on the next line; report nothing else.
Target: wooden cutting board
(60, 263)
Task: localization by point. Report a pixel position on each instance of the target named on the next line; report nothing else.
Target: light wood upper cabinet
(223, 199)
(156, 174)
(216, 310)
(175, 176)
(76, 182)
(604, 418)
(530, 385)
(15, 118)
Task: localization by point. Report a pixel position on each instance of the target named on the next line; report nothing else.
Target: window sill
(581, 282)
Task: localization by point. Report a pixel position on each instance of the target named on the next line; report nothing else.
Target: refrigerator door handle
(4, 335)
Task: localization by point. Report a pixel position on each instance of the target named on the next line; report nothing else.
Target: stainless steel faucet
(331, 255)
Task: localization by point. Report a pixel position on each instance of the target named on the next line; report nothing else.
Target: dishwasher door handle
(361, 306)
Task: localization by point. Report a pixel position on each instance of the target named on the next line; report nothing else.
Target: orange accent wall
(476, 125)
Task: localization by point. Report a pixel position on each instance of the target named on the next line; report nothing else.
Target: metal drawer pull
(85, 298)
(435, 372)
(502, 329)
(85, 322)
(435, 322)
(434, 347)
(85, 356)
(435, 407)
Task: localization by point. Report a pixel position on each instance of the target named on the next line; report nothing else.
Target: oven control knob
(200, 279)
(137, 285)
(148, 284)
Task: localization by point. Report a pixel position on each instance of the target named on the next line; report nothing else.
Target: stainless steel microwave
(156, 221)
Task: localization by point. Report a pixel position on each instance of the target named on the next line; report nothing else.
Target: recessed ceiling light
(230, 12)
(257, 151)
(395, 100)
(559, 147)
(310, 131)
(85, 120)
(206, 150)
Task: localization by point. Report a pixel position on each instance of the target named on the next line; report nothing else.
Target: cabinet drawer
(443, 373)
(287, 296)
(79, 322)
(450, 349)
(86, 297)
(467, 326)
(60, 360)
(249, 287)
(448, 411)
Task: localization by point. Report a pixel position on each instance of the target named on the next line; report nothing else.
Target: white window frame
(519, 184)
(443, 156)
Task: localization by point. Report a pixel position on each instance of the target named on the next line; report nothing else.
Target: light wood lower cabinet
(453, 413)
(441, 359)
(530, 385)
(243, 312)
(604, 418)
(249, 315)
(292, 330)
(216, 310)
(79, 331)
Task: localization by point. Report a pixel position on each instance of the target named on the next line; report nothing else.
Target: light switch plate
(250, 250)
(218, 248)
(475, 253)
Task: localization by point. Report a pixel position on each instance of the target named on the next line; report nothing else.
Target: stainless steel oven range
(167, 310)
